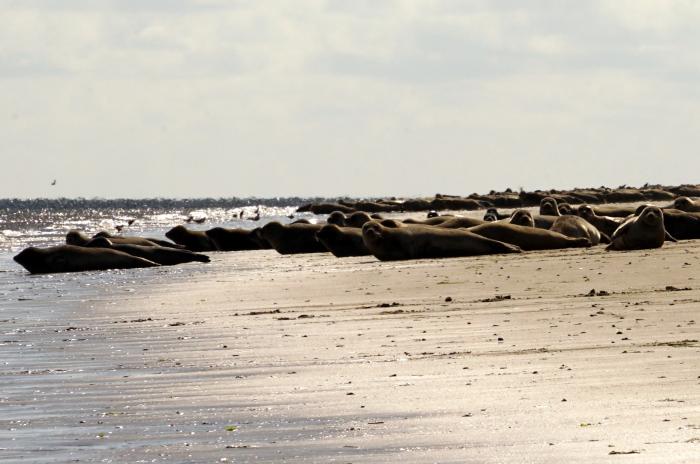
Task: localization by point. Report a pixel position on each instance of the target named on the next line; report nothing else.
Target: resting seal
(162, 255)
(342, 241)
(614, 211)
(357, 219)
(577, 227)
(565, 208)
(687, 205)
(433, 221)
(233, 239)
(605, 224)
(460, 222)
(549, 207)
(136, 240)
(640, 232)
(71, 258)
(419, 242)
(528, 238)
(681, 225)
(492, 214)
(77, 238)
(522, 217)
(193, 240)
(337, 218)
(293, 238)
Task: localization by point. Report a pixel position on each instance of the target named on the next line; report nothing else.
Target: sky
(223, 98)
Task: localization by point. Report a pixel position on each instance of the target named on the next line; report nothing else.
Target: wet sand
(545, 357)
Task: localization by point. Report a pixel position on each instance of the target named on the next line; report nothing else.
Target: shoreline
(313, 358)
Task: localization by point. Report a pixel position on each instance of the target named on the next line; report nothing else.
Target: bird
(54, 182)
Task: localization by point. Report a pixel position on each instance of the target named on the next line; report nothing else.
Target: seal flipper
(604, 238)
(670, 238)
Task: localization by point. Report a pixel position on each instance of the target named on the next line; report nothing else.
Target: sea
(44, 222)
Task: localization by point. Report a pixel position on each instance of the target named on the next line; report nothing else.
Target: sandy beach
(544, 357)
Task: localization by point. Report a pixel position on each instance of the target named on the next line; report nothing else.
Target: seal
(640, 232)
(128, 240)
(686, 204)
(162, 255)
(668, 213)
(528, 238)
(357, 219)
(614, 211)
(522, 217)
(682, 225)
(419, 242)
(193, 240)
(492, 214)
(78, 238)
(293, 238)
(605, 224)
(565, 208)
(342, 241)
(337, 218)
(225, 239)
(72, 258)
(460, 222)
(549, 207)
(433, 221)
(577, 227)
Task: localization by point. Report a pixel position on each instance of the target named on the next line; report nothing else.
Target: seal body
(293, 238)
(225, 239)
(419, 242)
(128, 240)
(528, 238)
(577, 227)
(681, 225)
(162, 255)
(460, 222)
(337, 218)
(565, 208)
(357, 219)
(613, 211)
(639, 232)
(687, 205)
(193, 240)
(71, 258)
(605, 224)
(342, 241)
(549, 207)
(433, 221)
(78, 238)
(492, 214)
(522, 217)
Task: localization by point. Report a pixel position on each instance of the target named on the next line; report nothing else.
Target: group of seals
(622, 227)
(420, 241)
(558, 225)
(104, 251)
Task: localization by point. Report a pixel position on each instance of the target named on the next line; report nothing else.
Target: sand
(545, 357)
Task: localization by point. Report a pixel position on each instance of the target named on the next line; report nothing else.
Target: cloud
(363, 97)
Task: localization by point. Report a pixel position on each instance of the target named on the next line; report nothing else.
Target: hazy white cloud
(212, 97)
